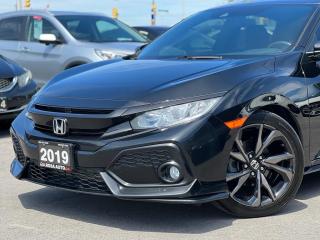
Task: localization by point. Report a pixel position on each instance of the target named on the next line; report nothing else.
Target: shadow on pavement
(5, 128)
(135, 216)
(310, 187)
(127, 215)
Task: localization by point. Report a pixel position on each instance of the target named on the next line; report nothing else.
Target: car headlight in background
(107, 55)
(24, 79)
(174, 115)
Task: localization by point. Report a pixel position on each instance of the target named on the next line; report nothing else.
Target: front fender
(284, 96)
(269, 100)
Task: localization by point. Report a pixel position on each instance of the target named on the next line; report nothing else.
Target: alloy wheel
(261, 166)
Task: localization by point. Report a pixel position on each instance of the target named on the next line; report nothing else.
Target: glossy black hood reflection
(8, 68)
(134, 83)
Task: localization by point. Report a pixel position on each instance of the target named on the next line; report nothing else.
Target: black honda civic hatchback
(222, 108)
(16, 89)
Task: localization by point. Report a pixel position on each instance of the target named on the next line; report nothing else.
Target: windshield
(233, 31)
(99, 29)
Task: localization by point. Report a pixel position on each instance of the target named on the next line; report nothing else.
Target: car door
(44, 60)
(12, 32)
(311, 70)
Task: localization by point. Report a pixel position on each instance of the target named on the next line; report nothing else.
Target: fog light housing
(170, 172)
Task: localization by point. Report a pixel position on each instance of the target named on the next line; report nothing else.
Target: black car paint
(17, 97)
(273, 83)
(186, 79)
(9, 68)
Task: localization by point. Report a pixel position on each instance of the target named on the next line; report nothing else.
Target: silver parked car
(50, 42)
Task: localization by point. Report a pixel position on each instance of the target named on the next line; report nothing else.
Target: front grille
(73, 132)
(71, 110)
(18, 150)
(5, 83)
(88, 180)
(91, 122)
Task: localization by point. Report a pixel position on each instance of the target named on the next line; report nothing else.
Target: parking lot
(28, 211)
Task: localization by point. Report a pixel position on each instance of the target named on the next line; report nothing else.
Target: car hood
(118, 47)
(8, 68)
(132, 83)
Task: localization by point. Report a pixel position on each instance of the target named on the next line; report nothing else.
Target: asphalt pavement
(29, 211)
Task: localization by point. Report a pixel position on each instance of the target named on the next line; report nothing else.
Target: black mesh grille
(5, 83)
(18, 150)
(154, 158)
(88, 180)
(141, 166)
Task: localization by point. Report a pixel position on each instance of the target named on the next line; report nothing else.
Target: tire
(287, 173)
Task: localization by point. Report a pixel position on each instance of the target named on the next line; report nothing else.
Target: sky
(133, 12)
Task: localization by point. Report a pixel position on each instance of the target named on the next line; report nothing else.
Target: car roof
(24, 12)
(289, 2)
(247, 3)
(50, 13)
(63, 13)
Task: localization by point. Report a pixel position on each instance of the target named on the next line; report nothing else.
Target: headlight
(175, 115)
(107, 55)
(24, 79)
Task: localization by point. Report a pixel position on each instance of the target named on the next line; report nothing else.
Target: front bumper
(16, 100)
(12, 113)
(134, 194)
(126, 167)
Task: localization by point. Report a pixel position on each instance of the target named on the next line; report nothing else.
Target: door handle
(25, 49)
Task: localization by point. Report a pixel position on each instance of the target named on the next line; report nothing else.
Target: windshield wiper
(199, 57)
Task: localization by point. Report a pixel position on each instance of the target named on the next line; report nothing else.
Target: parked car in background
(16, 88)
(50, 42)
(151, 32)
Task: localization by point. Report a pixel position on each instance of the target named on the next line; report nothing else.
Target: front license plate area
(3, 104)
(58, 156)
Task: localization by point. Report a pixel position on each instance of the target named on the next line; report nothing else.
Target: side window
(104, 26)
(111, 31)
(38, 25)
(12, 29)
(317, 36)
(310, 65)
(314, 39)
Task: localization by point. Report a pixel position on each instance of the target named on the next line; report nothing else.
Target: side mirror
(137, 52)
(316, 47)
(316, 54)
(49, 39)
(139, 49)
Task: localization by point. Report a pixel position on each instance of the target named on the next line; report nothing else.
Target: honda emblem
(60, 126)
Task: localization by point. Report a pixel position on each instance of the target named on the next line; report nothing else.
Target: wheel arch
(279, 105)
(75, 64)
(284, 113)
(286, 109)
